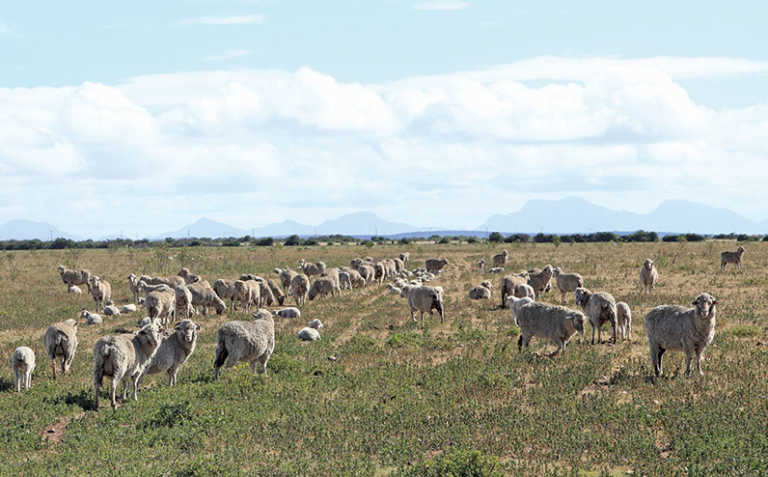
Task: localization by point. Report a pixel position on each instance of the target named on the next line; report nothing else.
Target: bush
(524, 238)
(293, 241)
(265, 242)
(444, 240)
(495, 237)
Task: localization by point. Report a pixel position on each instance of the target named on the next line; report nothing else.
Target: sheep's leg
(688, 359)
(562, 299)
(17, 379)
(413, 316)
(699, 354)
(520, 344)
(560, 346)
(113, 392)
(98, 375)
(422, 319)
(613, 325)
(53, 368)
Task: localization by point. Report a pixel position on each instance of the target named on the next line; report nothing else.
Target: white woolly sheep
(161, 304)
(290, 312)
(133, 284)
(111, 310)
(323, 286)
(225, 289)
(424, 299)
(74, 289)
(276, 292)
(286, 276)
(344, 282)
(676, 328)
(523, 290)
(599, 308)
(100, 290)
(311, 269)
(624, 320)
(508, 284)
(251, 341)
(405, 256)
(311, 333)
(183, 302)
(174, 350)
(482, 292)
(248, 292)
(540, 281)
(73, 277)
(90, 318)
(299, 289)
(648, 276)
(23, 363)
(731, 257)
(204, 296)
(60, 340)
(145, 321)
(557, 323)
(129, 308)
(188, 276)
(566, 282)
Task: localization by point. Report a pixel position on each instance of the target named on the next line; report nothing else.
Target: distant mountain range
(568, 215)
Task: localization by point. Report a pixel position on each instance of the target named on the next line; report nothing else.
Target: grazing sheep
(648, 276)
(395, 290)
(73, 277)
(121, 357)
(248, 292)
(174, 350)
(435, 265)
(147, 288)
(367, 272)
(60, 340)
(323, 286)
(482, 292)
(624, 321)
(100, 290)
(515, 303)
(311, 333)
(311, 269)
(481, 265)
(173, 281)
(344, 281)
(600, 308)
(90, 318)
(276, 292)
(23, 363)
(188, 276)
(566, 282)
(405, 256)
(289, 312)
(540, 281)
(557, 323)
(286, 276)
(424, 299)
(676, 328)
(399, 265)
(204, 296)
(355, 278)
(731, 257)
(111, 310)
(225, 289)
(267, 297)
(500, 260)
(508, 284)
(251, 276)
(74, 289)
(299, 289)
(251, 341)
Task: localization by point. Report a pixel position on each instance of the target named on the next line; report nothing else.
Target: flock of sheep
(156, 348)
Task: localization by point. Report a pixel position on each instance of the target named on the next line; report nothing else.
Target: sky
(141, 117)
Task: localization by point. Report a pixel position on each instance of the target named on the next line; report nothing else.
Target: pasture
(399, 399)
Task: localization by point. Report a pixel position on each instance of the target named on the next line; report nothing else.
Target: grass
(398, 400)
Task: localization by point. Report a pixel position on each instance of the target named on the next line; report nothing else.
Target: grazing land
(398, 399)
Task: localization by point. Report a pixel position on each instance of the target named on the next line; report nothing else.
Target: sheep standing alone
(731, 257)
(676, 328)
(624, 320)
(557, 323)
(435, 265)
(100, 290)
(566, 282)
(60, 340)
(424, 299)
(174, 350)
(299, 289)
(648, 276)
(251, 341)
(540, 281)
(121, 357)
(600, 308)
(23, 363)
(500, 260)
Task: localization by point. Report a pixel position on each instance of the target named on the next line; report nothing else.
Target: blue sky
(416, 110)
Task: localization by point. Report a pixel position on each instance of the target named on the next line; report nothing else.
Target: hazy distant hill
(29, 230)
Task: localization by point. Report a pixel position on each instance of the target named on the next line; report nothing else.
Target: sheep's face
(556, 272)
(740, 250)
(578, 322)
(148, 336)
(582, 296)
(187, 330)
(648, 264)
(705, 304)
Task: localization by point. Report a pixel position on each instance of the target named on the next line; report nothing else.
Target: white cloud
(228, 55)
(233, 20)
(441, 6)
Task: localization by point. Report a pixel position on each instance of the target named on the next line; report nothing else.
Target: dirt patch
(55, 432)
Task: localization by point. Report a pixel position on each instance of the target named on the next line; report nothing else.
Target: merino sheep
(367, 272)
(188, 276)
(566, 282)
(100, 290)
(435, 265)
(323, 286)
(311, 269)
(599, 308)
(540, 281)
(60, 340)
(523, 290)
(133, 284)
(225, 289)
(299, 289)
(676, 328)
(286, 276)
(290, 312)
(73, 277)
(311, 333)
(90, 318)
(174, 350)
(482, 292)
(276, 292)
(74, 289)
(405, 256)
(23, 363)
(183, 302)
(251, 341)
(204, 296)
(344, 281)
(424, 299)
(557, 323)
(648, 276)
(121, 357)
(248, 292)
(500, 260)
(111, 310)
(129, 308)
(508, 284)
(731, 257)
(161, 304)
(624, 320)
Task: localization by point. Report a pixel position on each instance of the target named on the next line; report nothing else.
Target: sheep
(121, 357)
(508, 284)
(405, 256)
(251, 276)
(252, 341)
(482, 292)
(74, 289)
(225, 289)
(133, 284)
(624, 320)
(481, 265)
(379, 272)
(129, 308)
(566, 282)
(73, 277)
(299, 289)
(424, 299)
(367, 273)
(496, 270)
(248, 292)
(500, 260)
(286, 276)
(344, 281)
(204, 296)
(599, 308)
(523, 290)
(311, 333)
(60, 340)
(515, 304)
(183, 302)
(557, 323)
(355, 278)
(333, 274)
(290, 312)
(311, 269)
(276, 291)
(188, 276)
(147, 288)
(111, 310)
(265, 293)
(170, 281)
(648, 276)
(161, 304)
(174, 350)
(323, 286)
(731, 257)
(676, 328)
(145, 321)
(100, 290)
(435, 265)
(23, 363)
(395, 290)
(540, 281)
(399, 265)
(90, 318)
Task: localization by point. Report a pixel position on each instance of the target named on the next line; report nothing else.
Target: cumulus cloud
(158, 151)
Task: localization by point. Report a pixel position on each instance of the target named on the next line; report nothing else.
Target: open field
(397, 395)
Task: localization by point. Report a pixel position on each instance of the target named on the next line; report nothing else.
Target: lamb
(500, 260)
(435, 265)
(225, 289)
(405, 256)
(286, 276)
(624, 320)
(289, 312)
(557, 323)
(121, 357)
(676, 328)
(508, 284)
(251, 341)
(248, 292)
(323, 286)
(540, 281)
(129, 308)
(204, 296)
(731, 257)
(482, 292)
(310, 333)
(599, 308)
(60, 340)
(299, 288)
(23, 363)
(100, 290)
(111, 310)
(90, 318)
(74, 289)
(73, 277)
(566, 282)
(648, 276)
(174, 350)
(424, 299)
(188, 276)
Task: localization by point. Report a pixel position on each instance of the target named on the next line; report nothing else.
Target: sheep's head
(578, 321)
(556, 272)
(705, 305)
(740, 250)
(61, 268)
(187, 330)
(316, 324)
(487, 284)
(582, 296)
(648, 264)
(220, 306)
(148, 336)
